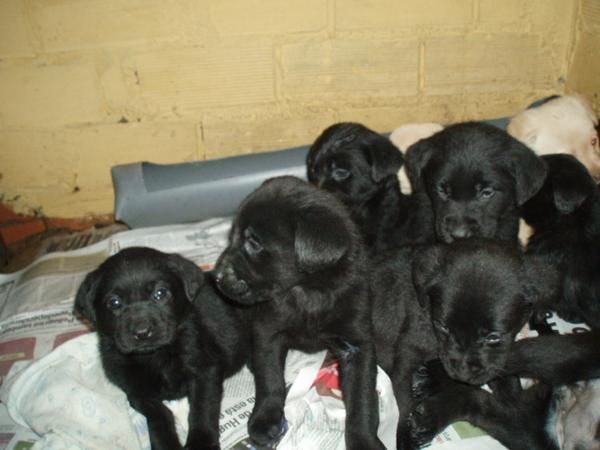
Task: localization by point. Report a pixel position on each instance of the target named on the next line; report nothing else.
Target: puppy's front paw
(202, 447)
(428, 380)
(355, 441)
(424, 422)
(266, 425)
(202, 438)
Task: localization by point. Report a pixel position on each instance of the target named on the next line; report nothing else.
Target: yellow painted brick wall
(583, 71)
(85, 84)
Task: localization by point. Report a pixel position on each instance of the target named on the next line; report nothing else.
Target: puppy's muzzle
(456, 227)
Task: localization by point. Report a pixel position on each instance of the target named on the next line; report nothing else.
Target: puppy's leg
(268, 359)
(358, 369)
(205, 399)
(404, 366)
(161, 425)
(518, 424)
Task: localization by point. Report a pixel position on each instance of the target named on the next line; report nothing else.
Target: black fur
(476, 176)
(478, 299)
(164, 334)
(296, 258)
(520, 422)
(468, 301)
(360, 167)
(565, 217)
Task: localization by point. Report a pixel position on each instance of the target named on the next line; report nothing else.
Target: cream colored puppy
(564, 124)
(406, 135)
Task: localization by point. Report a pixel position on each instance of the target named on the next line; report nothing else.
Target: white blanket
(66, 399)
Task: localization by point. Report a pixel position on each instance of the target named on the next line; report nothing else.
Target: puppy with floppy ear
(476, 177)
(361, 168)
(479, 295)
(565, 217)
(478, 301)
(164, 334)
(296, 259)
(462, 303)
(529, 420)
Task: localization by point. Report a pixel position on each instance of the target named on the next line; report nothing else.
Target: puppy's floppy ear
(571, 182)
(86, 294)
(540, 281)
(385, 158)
(425, 270)
(417, 158)
(527, 168)
(321, 240)
(190, 274)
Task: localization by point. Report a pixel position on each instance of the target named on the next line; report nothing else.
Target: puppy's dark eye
(340, 174)
(443, 191)
(493, 338)
(252, 246)
(160, 294)
(114, 302)
(486, 193)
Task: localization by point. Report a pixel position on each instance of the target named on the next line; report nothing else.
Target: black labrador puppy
(164, 334)
(296, 258)
(360, 167)
(522, 422)
(463, 303)
(565, 217)
(476, 176)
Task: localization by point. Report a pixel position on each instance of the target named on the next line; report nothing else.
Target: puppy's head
(138, 297)
(352, 161)
(479, 294)
(566, 189)
(476, 176)
(287, 233)
(562, 124)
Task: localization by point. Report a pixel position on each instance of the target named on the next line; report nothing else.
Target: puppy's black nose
(143, 332)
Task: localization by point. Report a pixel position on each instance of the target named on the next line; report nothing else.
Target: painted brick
(391, 14)
(71, 167)
(235, 17)
(387, 119)
(183, 81)
(583, 72)
(554, 18)
(14, 36)
(346, 69)
(484, 63)
(590, 15)
(38, 94)
(506, 11)
(226, 136)
(73, 24)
